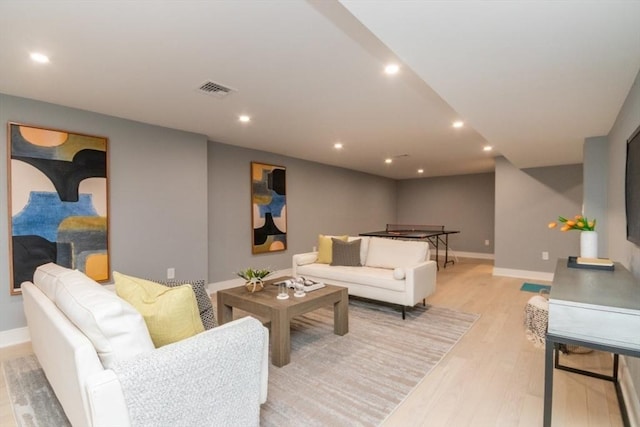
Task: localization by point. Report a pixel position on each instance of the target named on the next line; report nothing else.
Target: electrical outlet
(545, 255)
(171, 273)
(486, 242)
(314, 249)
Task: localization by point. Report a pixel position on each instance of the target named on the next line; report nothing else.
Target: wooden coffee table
(280, 312)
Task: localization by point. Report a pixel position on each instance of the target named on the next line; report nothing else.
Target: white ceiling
(531, 78)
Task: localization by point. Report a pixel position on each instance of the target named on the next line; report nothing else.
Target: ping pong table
(434, 234)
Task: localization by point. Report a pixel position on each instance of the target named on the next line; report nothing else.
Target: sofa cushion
(171, 313)
(207, 314)
(308, 258)
(325, 248)
(389, 253)
(367, 276)
(346, 253)
(364, 247)
(116, 329)
(46, 278)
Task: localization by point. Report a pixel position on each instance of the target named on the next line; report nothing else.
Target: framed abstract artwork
(269, 208)
(58, 202)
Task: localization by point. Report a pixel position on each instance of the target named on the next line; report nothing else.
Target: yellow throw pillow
(171, 313)
(325, 248)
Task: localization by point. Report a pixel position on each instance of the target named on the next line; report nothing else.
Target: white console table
(597, 309)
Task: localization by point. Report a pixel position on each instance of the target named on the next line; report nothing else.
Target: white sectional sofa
(393, 271)
(98, 357)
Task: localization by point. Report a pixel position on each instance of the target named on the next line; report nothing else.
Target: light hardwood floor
(492, 377)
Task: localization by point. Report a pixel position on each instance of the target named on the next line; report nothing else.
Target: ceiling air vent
(215, 89)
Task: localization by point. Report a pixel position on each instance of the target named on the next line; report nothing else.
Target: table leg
(548, 382)
(225, 312)
(341, 314)
(280, 338)
(446, 250)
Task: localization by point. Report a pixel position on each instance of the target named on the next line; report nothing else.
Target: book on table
(594, 261)
(590, 263)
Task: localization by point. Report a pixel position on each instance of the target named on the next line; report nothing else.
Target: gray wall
(463, 202)
(619, 248)
(526, 201)
(596, 171)
(321, 199)
(158, 195)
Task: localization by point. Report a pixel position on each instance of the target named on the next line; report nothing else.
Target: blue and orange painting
(58, 202)
(269, 202)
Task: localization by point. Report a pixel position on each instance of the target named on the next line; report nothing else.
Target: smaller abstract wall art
(269, 208)
(58, 202)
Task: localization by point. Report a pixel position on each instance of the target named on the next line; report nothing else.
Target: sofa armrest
(106, 402)
(421, 281)
(209, 379)
(303, 259)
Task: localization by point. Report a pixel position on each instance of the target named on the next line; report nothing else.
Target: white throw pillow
(116, 329)
(308, 258)
(398, 273)
(389, 253)
(364, 247)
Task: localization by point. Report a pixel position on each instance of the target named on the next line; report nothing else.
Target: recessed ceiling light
(458, 124)
(420, 170)
(39, 57)
(244, 118)
(338, 145)
(487, 148)
(388, 161)
(392, 69)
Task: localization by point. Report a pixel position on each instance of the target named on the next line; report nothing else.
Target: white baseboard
(232, 283)
(14, 336)
(630, 394)
(478, 255)
(523, 274)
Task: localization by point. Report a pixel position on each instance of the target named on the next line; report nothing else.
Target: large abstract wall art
(58, 202)
(269, 208)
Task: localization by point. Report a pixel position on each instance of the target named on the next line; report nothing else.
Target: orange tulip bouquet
(578, 222)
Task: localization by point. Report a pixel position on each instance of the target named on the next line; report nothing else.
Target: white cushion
(115, 328)
(364, 247)
(308, 258)
(373, 277)
(46, 278)
(389, 253)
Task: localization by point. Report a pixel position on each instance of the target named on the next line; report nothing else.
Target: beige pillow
(325, 248)
(171, 313)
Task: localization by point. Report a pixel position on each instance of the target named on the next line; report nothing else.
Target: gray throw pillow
(205, 308)
(346, 253)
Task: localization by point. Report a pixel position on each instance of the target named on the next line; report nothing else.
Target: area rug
(351, 380)
(534, 287)
(359, 378)
(34, 403)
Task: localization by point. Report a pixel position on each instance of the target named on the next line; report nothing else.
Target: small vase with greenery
(254, 278)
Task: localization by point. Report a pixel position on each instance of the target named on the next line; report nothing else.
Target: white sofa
(393, 271)
(96, 353)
